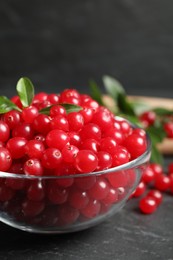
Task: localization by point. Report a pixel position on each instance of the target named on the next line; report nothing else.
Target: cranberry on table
(168, 127)
(148, 175)
(148, 118)
(162, 182)
(140, 190)
(147, 205)
(157, 195)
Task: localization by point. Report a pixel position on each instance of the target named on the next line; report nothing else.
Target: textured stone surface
(126, 236)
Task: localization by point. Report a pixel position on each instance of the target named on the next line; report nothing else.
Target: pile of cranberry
(154, 181)
(47, 139)
(91, 139)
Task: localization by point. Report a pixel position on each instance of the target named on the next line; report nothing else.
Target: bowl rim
(143, 158)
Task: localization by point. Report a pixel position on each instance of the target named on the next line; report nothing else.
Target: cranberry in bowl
(66, 162)
(66, 198)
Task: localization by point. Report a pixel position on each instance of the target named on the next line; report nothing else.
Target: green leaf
(156, 133)
(140, 107)
(25, 90)
(162, 111)
(95, 92)
(68, 107)
(124, 105)
(7, 105)
(156, 156)
(113, 87)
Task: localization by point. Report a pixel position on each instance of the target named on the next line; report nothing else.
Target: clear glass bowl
(70, 203)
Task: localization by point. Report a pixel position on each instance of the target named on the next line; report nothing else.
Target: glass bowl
(62, 204)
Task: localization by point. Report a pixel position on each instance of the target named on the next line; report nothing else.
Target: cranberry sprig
(157, 122)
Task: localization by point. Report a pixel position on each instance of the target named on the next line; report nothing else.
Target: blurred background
(63, 44)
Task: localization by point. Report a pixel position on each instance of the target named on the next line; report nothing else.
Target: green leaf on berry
(140, 107)
(113, 87)
(95, 92)
(25, 90)
(68, 107)
(162, 111)
(7, 105)
(156, 133)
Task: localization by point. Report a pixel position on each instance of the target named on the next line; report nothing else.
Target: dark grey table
(62, 44)
(128, 235)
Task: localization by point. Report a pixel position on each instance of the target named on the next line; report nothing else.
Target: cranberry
(34, 149)
(78, 199)
(148, 175)
(140, 190)
(104, 161)
(57, 138)
(67, 214)
(168, 127)
(86, 161)
(87, 114)
(148, 205)
(40, 97)
(100, 189)
(6, 193)
(12, 118)
(23, 130)
(59, 122)
(136, 145)
(75, 120)
(157, 195)
(4, 131)
(53, 98)
(121, 156)
(55, 194)
(5, 159)
(51, 158)
(29, 114)
(90, 130)
(33, 167)
(16, 146)
(111, 197)
(162, 182)
(148, 118)
(32, 208)
(69, 153)
(57, 110)
(108, 144)
(118, 179)
(85, 182)
(103, 119)
(36, 191)
(92, 209)
(156, 168)
(41, 124)
(170, 168)
(90, 144)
